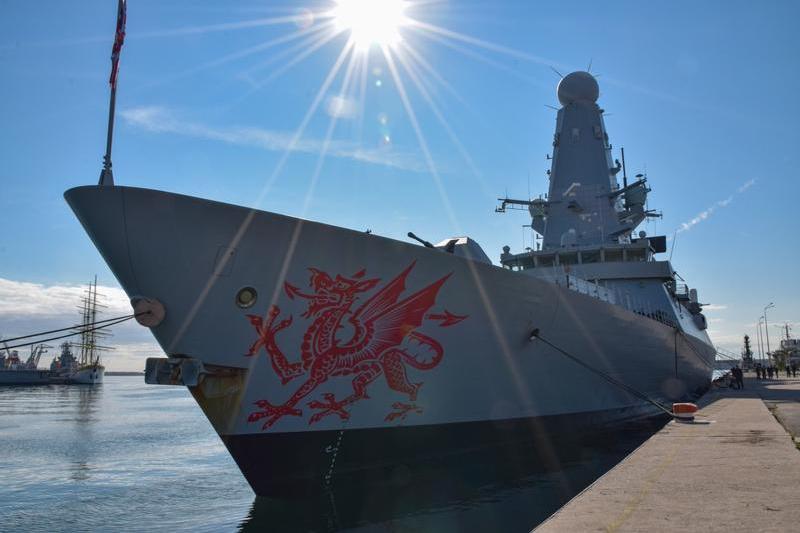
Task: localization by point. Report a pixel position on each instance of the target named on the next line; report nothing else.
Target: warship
(316, 351)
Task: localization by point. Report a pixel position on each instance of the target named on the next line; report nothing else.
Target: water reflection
(131, 457)
(512, 488)
(82, 454)
(89, 398)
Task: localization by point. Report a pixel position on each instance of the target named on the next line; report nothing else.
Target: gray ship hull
(367, 348)
(28, 377)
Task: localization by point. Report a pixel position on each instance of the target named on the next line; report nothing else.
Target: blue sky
(703, 96)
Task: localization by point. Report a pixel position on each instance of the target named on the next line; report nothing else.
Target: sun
(371, 22)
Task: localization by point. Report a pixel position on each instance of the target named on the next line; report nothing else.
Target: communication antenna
(523, 236)
(557, 72)
(624, 173)
(674, 239)
(534, 237)
(589, 68)
(529, 185)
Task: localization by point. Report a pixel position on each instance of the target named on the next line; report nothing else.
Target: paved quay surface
(736, 469)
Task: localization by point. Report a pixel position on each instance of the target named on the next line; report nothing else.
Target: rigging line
(535, 335)
(77, 326)
(40, 341)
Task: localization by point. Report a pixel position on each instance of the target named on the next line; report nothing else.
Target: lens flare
(371, 22)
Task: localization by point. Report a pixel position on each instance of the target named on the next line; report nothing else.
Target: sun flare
(371, 22)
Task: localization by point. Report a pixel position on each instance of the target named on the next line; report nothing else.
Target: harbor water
(132, 457)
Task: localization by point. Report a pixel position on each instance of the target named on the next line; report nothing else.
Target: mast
(585, 207)
(624, 171)
(90, 337)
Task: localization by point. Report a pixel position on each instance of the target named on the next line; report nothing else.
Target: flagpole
(106, 175)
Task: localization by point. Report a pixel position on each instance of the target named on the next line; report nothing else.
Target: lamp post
(760, 346)
(766, 326)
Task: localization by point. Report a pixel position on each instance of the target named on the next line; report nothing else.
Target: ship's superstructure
(317, 352)
(10, 360)
(588, 219)
(788, 352)
(14, 371)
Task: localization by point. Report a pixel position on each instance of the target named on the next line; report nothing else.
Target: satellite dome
(578, 87)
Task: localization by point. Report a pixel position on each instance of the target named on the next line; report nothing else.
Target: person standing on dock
(788, 370)
(794, 370)
(769, 371)
(738, 375)
(758, 371)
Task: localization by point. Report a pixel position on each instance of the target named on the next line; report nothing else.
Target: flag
(119, 38)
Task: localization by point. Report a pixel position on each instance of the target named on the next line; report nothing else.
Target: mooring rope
(694, 350)
(77, 326)
(627, 388)
(77, 330)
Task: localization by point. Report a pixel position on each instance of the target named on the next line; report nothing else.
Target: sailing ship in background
(67, 367)
(88, 369)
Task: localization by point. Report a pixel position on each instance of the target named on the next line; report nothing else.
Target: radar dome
(578, 87)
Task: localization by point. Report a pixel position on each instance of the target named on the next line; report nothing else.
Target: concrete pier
(737, 468)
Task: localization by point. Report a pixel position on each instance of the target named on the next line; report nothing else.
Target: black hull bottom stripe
(290, 465)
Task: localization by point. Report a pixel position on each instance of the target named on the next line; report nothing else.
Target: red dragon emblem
(383, 341)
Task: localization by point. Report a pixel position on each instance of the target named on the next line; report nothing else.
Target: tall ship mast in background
(318, 351)
(88, 368)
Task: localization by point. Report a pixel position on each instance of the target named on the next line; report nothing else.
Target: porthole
(246, 297)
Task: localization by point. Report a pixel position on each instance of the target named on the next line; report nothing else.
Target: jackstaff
(106, 176)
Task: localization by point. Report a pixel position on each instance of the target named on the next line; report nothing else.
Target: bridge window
(636, 255)
(545, 260)
(568, 259)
